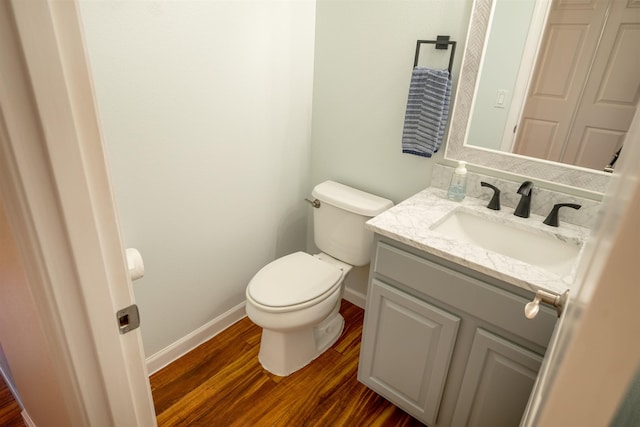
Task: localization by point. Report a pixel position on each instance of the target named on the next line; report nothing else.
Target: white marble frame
(588, 180)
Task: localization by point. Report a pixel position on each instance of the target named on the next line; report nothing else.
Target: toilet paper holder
(135, 264)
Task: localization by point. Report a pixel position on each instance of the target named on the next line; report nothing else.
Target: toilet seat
(293, 282)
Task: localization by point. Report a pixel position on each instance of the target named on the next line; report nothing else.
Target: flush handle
(315, 202)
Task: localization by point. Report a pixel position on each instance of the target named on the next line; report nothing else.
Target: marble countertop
(410, 223)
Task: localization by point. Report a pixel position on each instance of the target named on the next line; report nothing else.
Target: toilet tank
(338, 224)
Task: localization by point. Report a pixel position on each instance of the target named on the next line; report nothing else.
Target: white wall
(364, 58)
(509, 30)
(206, 113)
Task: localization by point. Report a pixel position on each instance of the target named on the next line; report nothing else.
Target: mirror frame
(590, 181)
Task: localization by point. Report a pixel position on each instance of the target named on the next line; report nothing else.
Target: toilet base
(283, 353)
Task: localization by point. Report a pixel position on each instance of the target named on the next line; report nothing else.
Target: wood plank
(10, 411)
(222, 383)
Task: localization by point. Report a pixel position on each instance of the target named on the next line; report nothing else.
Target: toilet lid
(293, 279)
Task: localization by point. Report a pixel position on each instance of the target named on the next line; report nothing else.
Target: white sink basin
(539, 249)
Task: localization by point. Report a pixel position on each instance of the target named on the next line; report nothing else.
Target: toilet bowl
(296, 299)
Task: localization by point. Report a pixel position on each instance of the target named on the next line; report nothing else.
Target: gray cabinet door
(497, 382)
(406, 350)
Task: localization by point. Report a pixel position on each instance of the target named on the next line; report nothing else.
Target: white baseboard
(355, 297)
(187, 343)
(204, 333)
(27, 419)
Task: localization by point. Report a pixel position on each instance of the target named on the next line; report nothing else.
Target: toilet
(296, 299)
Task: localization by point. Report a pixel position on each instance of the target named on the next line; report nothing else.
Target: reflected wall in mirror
(481, 154)
(579, 69)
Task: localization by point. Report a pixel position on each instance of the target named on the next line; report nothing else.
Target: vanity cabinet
(449, 345)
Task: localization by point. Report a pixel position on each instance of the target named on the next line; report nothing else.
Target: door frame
(55, 186)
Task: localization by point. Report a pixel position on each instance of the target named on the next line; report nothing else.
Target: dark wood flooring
(10, 412)
(221, 383)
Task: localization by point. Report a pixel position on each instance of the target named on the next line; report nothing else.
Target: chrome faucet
(524, 205)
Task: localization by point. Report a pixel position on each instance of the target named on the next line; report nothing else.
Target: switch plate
(501, 98)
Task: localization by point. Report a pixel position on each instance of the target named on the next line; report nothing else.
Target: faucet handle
(552, 218)
(495, 200)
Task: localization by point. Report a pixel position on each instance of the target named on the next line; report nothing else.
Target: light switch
(501, 98)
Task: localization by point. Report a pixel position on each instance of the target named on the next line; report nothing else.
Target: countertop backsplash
(541, 203)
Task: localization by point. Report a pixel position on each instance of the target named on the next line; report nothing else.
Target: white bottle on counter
(458, 185)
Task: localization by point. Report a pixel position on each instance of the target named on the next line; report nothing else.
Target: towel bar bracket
(442, 42)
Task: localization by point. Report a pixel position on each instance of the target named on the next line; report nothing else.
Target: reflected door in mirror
(585, 89)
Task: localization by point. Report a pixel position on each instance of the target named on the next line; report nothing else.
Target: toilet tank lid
(350, 199)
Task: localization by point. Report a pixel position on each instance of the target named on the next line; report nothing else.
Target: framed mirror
(461, 145)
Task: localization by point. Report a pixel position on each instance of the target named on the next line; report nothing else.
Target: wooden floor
(10, 412)
(221, 383)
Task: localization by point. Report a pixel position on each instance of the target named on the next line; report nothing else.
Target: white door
(610, 96)
(55, 188)
(595, 351)
(571, 36)
(584, 91)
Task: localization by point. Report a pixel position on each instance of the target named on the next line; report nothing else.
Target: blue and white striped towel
(427, 111)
